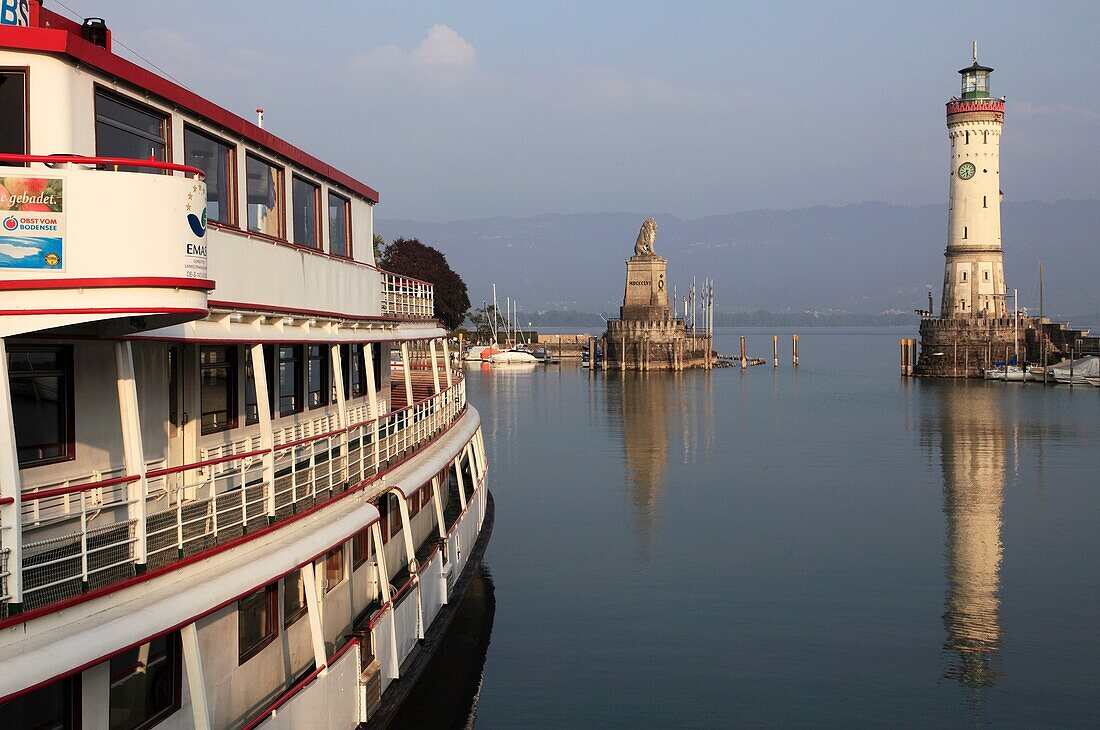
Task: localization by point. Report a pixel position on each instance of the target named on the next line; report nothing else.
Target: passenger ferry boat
(221, 506)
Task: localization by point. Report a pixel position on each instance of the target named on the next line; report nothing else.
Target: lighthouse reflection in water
(973, 442)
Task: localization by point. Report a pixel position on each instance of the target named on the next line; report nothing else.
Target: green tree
(410, 257)
(379, 244)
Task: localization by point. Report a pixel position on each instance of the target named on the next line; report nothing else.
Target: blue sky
(473, 109)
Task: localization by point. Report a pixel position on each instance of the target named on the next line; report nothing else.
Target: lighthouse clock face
(967, 170)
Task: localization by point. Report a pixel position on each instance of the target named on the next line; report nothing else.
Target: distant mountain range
(864, 259)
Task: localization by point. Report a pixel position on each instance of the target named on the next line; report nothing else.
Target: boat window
(334, 568)
(307, 199)
(218, 388)
(290, 379)
(257, 621)
(251, 405)
(145, 684)
(352, 356)
(13, 112)
(318, 394)
(124, 128)
(339, 231)
(294, 597)
(360, 547)
(55, 706)
(41, 382)
(265, 195)
(218, 160)
(377, 354)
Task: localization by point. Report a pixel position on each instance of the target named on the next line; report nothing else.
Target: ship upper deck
(130, 204)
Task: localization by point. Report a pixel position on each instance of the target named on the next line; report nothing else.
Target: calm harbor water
(832, 545)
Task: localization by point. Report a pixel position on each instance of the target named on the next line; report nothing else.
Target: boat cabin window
(290, 379)
(218, 160)
(334, 568)
(145, 684)
(360, 547)
(13, 112)
(218, 391)
(124, 128)
(294, 597)
(307, 201)
(251, 407)
(339, 230)
(264, 189)
(55, 706)
(257, 621)
(41, 381)
(352, 356)
(319, 390)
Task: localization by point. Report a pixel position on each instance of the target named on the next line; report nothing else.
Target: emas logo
(198, 225)
(11, 223)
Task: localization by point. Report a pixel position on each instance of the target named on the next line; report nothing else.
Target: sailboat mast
(1042, 332)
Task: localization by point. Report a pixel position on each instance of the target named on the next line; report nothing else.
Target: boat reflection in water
(446, 694)
(973, 439)
(646, 402)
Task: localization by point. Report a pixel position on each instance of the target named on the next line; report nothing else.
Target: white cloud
(441, 50)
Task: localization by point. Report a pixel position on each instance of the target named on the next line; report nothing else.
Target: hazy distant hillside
(866, 258)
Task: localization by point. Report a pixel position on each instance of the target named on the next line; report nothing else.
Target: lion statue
(646, 236)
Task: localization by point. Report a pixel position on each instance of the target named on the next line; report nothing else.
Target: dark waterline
(832, 545)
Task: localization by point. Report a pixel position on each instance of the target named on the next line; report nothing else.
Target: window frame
(280, 199)
(318, 237)
(230, 173)
(349, 252)
(360, 548)
(290, 618)
(99, 90)
(232, 400)
(271, 631)
(337, 551)
(67, 409)
(71, 699)
(325, 360)
(299, 378)
(26, 73)
(174, 652)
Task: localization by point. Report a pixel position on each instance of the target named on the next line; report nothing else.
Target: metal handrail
(114, 161)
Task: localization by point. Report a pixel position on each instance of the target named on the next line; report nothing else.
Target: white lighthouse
(973, 280)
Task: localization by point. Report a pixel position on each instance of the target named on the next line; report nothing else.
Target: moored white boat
(513, 356)
(220, 506)
(1078, 371)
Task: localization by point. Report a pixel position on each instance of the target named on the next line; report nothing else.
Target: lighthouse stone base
(962, 348)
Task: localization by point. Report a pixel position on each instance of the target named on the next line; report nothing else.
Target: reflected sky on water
(832, 545)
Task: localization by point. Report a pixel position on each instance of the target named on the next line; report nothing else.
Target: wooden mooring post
(794, 350)
(744, 354)
(775, 351)
(908, 357)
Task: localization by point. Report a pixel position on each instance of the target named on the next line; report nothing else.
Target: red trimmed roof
(67, 43)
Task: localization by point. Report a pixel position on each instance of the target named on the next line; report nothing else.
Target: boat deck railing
(111, 530)
(404, 297)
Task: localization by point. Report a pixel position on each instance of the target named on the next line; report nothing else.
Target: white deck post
(196, 684)
(435, 366)
(313, 609)
(372, 398)
(437, 503)
(461, 485)
(408, 373)
(11, 538)
(341, 404)
(384, 586)
(447, 362)
(267, 433)
(132, 447)
(406, 526)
